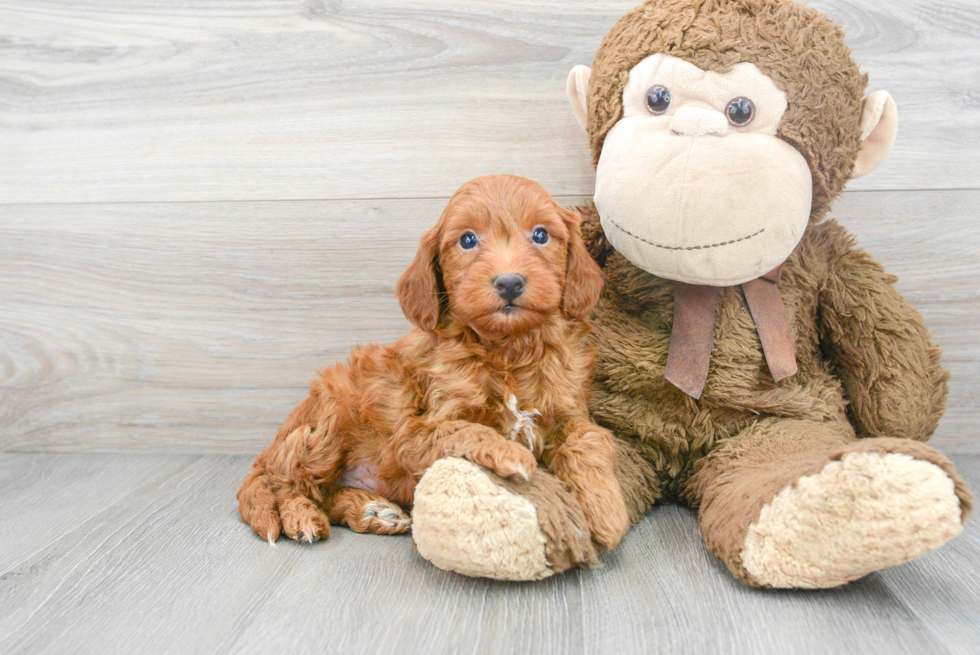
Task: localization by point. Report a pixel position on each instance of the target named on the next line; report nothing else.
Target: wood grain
(949, 603)
(189, 326)
(113, 101)
(159, 570)
(195, 327)
(45, 497)
(663, 592)
(167, 566)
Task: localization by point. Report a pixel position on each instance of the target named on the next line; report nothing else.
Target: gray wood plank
(44, 497)
(381, 597)
(663, 592)
(168, 567)
(195, 327)
(195, 323)
(109, 101)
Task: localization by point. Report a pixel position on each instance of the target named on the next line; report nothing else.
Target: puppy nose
(694, 121)
(509, 285)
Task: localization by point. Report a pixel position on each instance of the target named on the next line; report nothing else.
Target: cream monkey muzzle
(689, 195)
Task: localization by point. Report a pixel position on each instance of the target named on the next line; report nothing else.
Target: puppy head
(505, 256)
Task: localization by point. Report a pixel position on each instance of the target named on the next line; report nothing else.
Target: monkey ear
(418, 287)
(577, 88)
(583, 277)
(879, 124)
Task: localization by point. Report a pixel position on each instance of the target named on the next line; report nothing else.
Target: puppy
(496, 371)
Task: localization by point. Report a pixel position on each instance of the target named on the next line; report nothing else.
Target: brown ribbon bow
(694, 325)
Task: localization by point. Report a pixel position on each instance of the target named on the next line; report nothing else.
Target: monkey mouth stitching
(710, 245)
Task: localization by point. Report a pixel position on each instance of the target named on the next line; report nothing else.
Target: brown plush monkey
(751, 360)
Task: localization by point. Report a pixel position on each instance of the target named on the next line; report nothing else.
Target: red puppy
(497, 371)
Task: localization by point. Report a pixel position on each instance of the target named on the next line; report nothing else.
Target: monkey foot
(468, 520)
(861, 513)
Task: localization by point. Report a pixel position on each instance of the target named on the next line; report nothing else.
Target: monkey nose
(695, 121)
(509, 286)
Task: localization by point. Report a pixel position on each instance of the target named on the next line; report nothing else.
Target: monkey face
(692, 183)
(702, 155)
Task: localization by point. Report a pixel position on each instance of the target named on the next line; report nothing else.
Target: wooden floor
(201, 203)
(145, 554)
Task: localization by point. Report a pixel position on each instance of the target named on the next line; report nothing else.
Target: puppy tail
(257, 505)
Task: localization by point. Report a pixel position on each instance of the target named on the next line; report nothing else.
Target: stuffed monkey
(752, 362)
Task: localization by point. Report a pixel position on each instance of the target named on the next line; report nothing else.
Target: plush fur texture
(867, 369)
(488, 377)
(474, 522)
(866, 363)
(802, 51)
(483, 525)
(869, 380)
(861, 512)
(489, 531)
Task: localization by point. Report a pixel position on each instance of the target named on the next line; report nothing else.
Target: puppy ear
(583, 279)
(418, 287)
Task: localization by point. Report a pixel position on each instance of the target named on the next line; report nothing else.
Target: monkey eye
(539, 236)
(740, 111)
(658, 99)
(468, 241)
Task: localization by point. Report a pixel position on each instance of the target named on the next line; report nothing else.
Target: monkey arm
(881, 348)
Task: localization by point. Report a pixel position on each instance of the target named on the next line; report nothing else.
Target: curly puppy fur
(484, 376)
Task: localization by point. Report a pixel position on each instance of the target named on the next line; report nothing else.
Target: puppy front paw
(605, 512)
(508, 459)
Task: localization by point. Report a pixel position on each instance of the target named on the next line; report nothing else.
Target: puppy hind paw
(266, 524)
(383, 517)
(303, 521)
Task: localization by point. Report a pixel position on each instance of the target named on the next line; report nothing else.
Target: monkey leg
(796, 503)
(468, 520)
(472, 521)
(363, 511)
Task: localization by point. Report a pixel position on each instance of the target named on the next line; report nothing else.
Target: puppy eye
(658, 99)
(468, 241)
(740, 111)
(539, 236)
